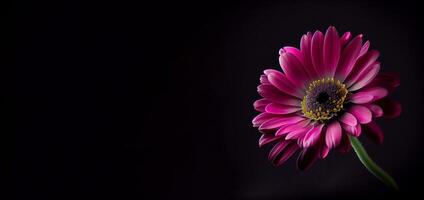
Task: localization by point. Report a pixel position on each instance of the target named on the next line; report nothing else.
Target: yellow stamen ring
(324, 99)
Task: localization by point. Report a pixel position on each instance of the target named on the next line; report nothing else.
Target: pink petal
(300, 138)
(352, 130)
(364, 48)
(373, 131)
(278, 122)
(275, 108)
(289, 101)
(260, 104)
(261, 118)
(307, 158)
(281, 82)
(361, 113)
(317, 52)
(348, 58)
(294, 51)
(361, 98)
(368, 95)
(298, 133)
(264, 79)
(366, 77)
(348, 119)
(391, 108)
(333, 134)
(269, 91)
(324, 151)
(305, 49)
(345, 38)
(331, 51)
(312, 136)
(390, 81)
(376, 111)
(344, 146)
(273, 94)
(286, 154)
(361, 65)
(376, 92)
(293, 69)
(293, 127)
(273, 123)
(277, 149)
(268, 138)
(270, 71)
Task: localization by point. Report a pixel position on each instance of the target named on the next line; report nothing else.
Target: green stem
(370, 164)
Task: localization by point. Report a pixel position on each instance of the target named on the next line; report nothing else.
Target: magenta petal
(368, 95)
(316, 51)
(307, 67)
(344, 146)
(390, 81)
(273, 123)
(300, 137)
(390, 107)
(268, 138)
(281, 82)
(294, 69)
(376, 92)
(286, 154)
(292, 127)
(366, 77)
(345, 38)
(312, 136)
(364, 48)
(348, 119)
(376, 111)
(278, 122)
(331, 51)
(272, 71)
(273, 94)
(333, 134)
(260, 104)
(298, 133)
(361, 98)
(294, 51)
(348, 58)
(361, 66)
(352, 130)
(281, 109)
(305, 49)
(261, 118)
(264, 79)
(307, 158)
(373, 131)
(288, 101)
(324, 151)
(361, 113)
(277, 149)
(269, 92)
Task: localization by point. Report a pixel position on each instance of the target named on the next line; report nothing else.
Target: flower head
(328, 89)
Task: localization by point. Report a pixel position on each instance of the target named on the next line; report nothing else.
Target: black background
(154, 100)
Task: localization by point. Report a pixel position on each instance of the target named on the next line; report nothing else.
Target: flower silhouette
(328, 93)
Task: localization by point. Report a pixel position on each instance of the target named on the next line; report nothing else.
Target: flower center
(324, 99)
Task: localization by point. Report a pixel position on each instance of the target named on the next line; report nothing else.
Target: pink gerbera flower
(328, 91)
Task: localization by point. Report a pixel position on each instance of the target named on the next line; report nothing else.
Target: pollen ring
(324, 99)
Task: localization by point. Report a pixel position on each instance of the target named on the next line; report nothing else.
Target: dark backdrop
(154, 100)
